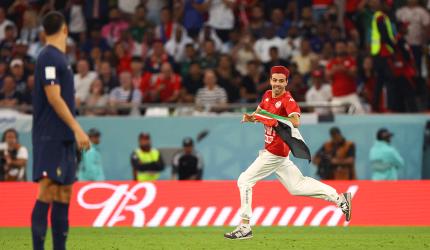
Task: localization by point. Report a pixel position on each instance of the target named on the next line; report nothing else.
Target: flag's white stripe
(158, 217)
(222, 217)
(286, 217)
(206, 217)
(303, 216)
(270, 217)
(174, 217)
(189, 218)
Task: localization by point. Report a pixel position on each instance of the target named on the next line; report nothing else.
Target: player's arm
(53, 94)
(250, 117)
(294, 119)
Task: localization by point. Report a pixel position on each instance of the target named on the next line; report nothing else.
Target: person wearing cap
(91, 167)
(146, 161)
(18, 72)
(319, 92)
(274, 159)
(187, 164)
(335, 159)
(385, 160)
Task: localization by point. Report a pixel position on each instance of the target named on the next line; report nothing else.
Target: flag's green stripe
(277, 117)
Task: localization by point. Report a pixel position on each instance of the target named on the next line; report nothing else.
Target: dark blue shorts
(55, 160)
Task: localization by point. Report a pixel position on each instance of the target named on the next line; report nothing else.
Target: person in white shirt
(83, 79)
(263, 45)
(4, 23)
(221, 16)
(292, 43)
(319, 92)
(305, 57)
(175, 47)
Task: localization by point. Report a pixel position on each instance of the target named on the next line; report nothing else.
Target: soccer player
(55, 135)
(275, 158)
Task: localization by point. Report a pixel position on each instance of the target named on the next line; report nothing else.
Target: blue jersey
(52, 67)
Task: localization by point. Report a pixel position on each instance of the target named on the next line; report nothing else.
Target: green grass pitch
(363, 238)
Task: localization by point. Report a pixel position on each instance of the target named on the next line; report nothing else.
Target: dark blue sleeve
(50, 68)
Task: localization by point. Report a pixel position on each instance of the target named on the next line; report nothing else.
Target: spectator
(4, 23)
(95, 40)
(342, 71)
(125, 99)
(320, 92)
(243, 52)
(14, 157)
(18, 74)
(122, 56)
(297, 86)
(292, 43)
(211, 96)
(385, 160)
(140, 25)
(193, 16)
(36, 47)
(228, 78)
(167, 85)
(192, 82)
(167, 28)
(417, 20)
(26, 98)
(335, 159)
(29, 29)
(107, 76)
(254, 83)
(128, 6)
(368, 83)
(175, 46)
(91, 167)
(112, 30)
(257, 23)
(146, 161)
(263, 45)
(274, 59)
(96, 12)
(157, 57)
(136, 71)
(97, 99)
(83, 79)
(187, 164)
(221, 16)
(190, 56)
(279, 22)
(305, 58)
(210, 57)
(77, 23)
(8, 95)
(8, 40)
(208, 33)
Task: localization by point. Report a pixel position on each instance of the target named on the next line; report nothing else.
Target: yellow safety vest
(147, 157)
(375, 36)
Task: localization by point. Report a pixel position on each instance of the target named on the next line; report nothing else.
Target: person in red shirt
(167, 85)
(342, 71)
(275, 158)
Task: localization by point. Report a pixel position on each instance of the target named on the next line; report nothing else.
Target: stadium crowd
(214, 52)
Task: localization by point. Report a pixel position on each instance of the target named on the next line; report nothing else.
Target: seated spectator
(190, 56)
(274, 59)
(167, 85)
(124, 98)
(193, 17)
(91, 166)
(335, 159)
(221, 17)
(228, 78)
(9, 38)
(13, 156)
(208, 33)
(209, 58)
(97, 99)
(95, 40)
(107, 76)
(210, 96)
(112, 30)
(175, 46)
(257, 23)
(297, 86)
(254, 83)
(18, 74)
(35, 47)
(136, 71)
(139, 24)
(192, 82)
(157, 56)
(263, 45)
(304, 58)
(83, 79)
(9, 97)
(146, 161)
(187, 164)
(122, 57)
(342, 71)
(279, 22)
(292, 43)
(4, 23)
(385, 160)
(26, 98)
(167, 27)
(320, 92)
(242, 53)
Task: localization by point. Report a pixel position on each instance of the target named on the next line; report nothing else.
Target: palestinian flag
(288, 133)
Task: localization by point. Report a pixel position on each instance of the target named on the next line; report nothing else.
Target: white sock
(339, 199)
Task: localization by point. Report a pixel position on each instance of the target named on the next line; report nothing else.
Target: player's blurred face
(278, 83)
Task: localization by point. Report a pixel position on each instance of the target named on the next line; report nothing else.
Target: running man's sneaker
(242, 232)
(346, 205)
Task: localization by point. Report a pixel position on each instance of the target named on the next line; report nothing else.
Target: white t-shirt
(220, 15)
(3, 26)
(128, 6)
(177, 49)
(314, 96)
(83, 84)
(77, 20)
(263, 45)
(417, 18)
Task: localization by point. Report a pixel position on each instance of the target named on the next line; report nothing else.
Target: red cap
(280, 70)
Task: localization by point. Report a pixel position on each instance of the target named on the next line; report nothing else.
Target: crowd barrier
(216, 203)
